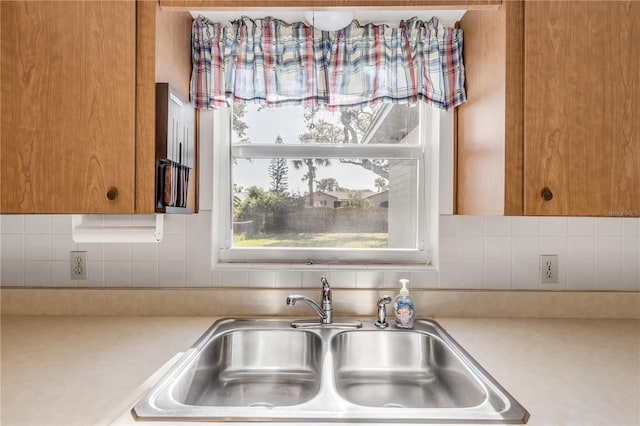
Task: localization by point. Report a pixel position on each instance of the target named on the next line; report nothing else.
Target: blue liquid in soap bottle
(404, 309)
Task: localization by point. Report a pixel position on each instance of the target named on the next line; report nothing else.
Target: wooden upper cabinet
(68, 106)
(489, 138)
(78, 102)
(553, 89)
(582, 108)
(310, 4)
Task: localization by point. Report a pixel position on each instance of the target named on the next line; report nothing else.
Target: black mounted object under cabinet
(176, 152)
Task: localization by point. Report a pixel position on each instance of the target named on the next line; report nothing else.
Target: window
(294, 184)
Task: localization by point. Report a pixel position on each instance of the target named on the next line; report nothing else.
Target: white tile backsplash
(61, 224)
(262, 279)
(117, 274)
(424, 279)
(95, 274)
(471, 275)
(285, 279)
(470, 248)
(497, 226)
(233, 279)
(37, 272)
(608, 274)
(580, 276)
(580, 249)
(14, 224)
(474, 252)
(172, 248)
(369, 279)
(117, 252)
(554, 245)
(553, 226)
(449, 225)
(497, 249)
(471, 225)
(525, 276)
(631, 227)
(343, 279)
(174, 224)
(172, 274)
(37, 224)
(525, 249)
(631, 250)
(608, 226)
(12, 246)
(392, 279)
(525, 226)
(144, 274)
(198, 274)
(37, 247)
(198, 236)
(12, 272)
(60, 274)
(580, 226)
(311, 279)
(608, 249)
(497, 276)
(630, 278)
(144, 253)
(61, 245)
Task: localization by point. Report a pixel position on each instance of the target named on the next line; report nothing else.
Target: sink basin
(402, 369)
(252, 368)
(266, 371)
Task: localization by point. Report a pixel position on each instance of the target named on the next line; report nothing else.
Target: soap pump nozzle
(404, 291)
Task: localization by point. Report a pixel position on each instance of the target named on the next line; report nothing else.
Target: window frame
(224, 254)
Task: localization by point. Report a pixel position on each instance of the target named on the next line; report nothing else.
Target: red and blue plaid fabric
(273, 63)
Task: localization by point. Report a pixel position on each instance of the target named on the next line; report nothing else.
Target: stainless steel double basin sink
(265, 370)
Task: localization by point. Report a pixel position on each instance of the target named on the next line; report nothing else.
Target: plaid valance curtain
(271, 62)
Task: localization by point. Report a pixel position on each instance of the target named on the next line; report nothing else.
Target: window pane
(315, 202)
(379, 124)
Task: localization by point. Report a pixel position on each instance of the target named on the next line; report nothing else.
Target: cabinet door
(68, 106)
(582, 108)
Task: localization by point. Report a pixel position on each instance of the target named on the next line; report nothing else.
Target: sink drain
(393, 405)
(261, 404)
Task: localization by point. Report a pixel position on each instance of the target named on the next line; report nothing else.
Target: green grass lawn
(343, 240)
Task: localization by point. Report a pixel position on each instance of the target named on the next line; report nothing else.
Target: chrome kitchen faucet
(324, 310)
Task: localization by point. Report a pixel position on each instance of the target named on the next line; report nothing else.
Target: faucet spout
(325, 311)
(292, 299)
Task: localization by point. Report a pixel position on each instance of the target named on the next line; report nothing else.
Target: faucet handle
(325, 282)
(326, 289)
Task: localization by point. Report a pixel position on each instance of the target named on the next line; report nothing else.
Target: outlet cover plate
(549, 269)
(78, 265)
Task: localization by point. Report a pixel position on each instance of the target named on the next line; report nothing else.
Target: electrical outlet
(78, 264)
(549, 269)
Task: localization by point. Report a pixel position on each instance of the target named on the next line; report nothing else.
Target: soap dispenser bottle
(404, 309)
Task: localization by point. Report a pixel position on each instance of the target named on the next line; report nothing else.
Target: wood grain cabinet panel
(310, 4)
(582, 108)
(68, 106)
(490, 124)
(553, 89)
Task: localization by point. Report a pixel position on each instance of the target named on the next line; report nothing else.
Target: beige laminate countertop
(82, 370)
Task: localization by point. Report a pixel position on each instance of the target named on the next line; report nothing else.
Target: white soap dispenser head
(404, 291)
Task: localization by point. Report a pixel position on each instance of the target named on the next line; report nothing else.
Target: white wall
(475, 253)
